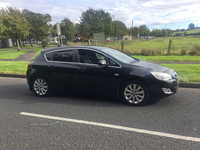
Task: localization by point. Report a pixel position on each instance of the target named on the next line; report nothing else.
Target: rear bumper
(28, 80)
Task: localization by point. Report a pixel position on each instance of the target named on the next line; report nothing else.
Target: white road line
(115, 127)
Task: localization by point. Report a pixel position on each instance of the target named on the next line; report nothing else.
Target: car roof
(76, 47)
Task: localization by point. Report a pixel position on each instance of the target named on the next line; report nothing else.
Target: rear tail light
(30, 64)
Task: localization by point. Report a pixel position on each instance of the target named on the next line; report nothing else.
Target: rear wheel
(41, 87)
(134, 93)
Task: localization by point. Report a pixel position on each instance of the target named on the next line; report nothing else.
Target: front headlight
(162, 76)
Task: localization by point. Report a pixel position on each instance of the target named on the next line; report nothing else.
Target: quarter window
(113, 63)
(49, 56)
(66, 56)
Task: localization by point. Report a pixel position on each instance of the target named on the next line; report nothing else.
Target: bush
(183, 51)
(45, 43)
(127, 50)
(195, 50)
(150, 51)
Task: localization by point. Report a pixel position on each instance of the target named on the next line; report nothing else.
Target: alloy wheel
(134, 93)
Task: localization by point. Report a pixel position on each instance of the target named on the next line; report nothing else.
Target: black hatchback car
(99, 69)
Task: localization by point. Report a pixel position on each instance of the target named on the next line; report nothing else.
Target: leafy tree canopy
(67, 29)
(191, 26)
(98, 20)
(119, 29)
(39, 24)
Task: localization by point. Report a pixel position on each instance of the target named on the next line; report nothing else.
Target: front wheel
(41, 87)
(134, 93)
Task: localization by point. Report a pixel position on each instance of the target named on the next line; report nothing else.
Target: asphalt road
(95, 121)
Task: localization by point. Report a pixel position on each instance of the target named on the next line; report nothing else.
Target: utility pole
(132, 31)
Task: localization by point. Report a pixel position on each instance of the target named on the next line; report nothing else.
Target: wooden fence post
(170, 43)
(122, 48)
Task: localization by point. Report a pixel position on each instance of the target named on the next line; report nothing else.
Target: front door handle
(51, 67)
(82, 69)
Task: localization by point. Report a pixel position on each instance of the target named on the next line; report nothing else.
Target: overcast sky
(173, 14)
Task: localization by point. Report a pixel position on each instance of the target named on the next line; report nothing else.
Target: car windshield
(119, 55)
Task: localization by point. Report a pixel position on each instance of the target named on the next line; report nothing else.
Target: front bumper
(164, 88)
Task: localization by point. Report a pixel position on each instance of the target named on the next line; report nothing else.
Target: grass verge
(13, 67)
(29, 46)
(14, 54)
(186, 58)
(186, 72)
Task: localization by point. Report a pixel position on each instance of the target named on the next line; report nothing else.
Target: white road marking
(115, 127)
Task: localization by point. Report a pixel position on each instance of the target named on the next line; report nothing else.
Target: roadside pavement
(29, 55)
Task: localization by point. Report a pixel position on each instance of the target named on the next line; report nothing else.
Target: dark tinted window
(113, 63)
(66, 56)
(89, 57)
(49, 56)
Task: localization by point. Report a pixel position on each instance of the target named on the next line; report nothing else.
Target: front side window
(89, 57)
(66, 56)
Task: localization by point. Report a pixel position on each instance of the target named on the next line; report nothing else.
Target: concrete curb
(181, 84)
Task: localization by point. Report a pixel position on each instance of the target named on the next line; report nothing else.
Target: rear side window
(66, 56)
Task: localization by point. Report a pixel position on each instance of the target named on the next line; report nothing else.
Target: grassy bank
(186, 58)
(29, 46)
(186, 72)
(14, 53)
(13, 67)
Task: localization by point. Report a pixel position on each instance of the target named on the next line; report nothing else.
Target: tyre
(134, 93)
(41, 87)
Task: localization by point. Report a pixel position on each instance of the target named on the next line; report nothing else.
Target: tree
(68, 29)
(191, 26)
(129, 31)
(85, 30)
(77, 29)
(136, 31)
(2, 26)
(17, 26)
(144, 31)
(98, 20)
(119, 29)
(53, 30)
(39, 24)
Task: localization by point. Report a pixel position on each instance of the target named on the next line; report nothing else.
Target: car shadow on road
(68, 98)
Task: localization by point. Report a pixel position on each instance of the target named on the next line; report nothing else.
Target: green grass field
(136, 46)
(185, 58)
(13, 67)
(29, 46)
(186, 72)
(12, 54)
(189, 31)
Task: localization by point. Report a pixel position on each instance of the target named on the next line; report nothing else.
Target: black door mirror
(102, 62)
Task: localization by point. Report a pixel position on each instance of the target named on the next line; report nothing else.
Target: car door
(92, 77)
(89, 76)
(60, 69)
